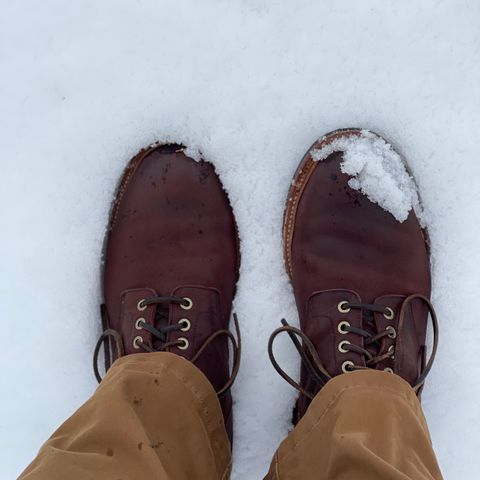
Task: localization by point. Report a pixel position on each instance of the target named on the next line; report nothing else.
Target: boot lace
(372, 351)
(160, 332)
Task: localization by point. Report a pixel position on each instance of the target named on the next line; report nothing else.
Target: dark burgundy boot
(361, 278)
(171, 266)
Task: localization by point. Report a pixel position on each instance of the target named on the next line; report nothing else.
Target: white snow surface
(251, 84)
(377, 170)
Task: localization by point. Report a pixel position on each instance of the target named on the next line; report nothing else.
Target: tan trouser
(155, 416)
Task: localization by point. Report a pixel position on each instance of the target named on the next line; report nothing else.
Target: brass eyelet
(341, 308)
(390, 314)
(393, 333)
(340, 329)
(137, 339)
(186, 323)
(388, 370)
(185, 343)
(345, 364)
(140, 306)
(341, 346)
(139, 323)
(391, 349)
(189, 304)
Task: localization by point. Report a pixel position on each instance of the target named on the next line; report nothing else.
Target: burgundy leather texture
(172, 233)
(339, 246)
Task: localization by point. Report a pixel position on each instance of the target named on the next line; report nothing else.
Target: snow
(251, 84)
(377, 170)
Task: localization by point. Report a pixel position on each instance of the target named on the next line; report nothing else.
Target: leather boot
(171, 263)
(361, 278)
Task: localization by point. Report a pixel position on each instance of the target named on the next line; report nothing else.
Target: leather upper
(172, 233)
(343, 240)
(346, 248)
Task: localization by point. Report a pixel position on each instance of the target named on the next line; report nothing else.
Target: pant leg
(155, 416)
(364, 425)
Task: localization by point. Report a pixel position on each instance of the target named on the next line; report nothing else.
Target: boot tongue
(161, 320)
(369, 325)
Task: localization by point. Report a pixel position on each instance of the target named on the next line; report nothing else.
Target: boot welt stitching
(300, 180)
